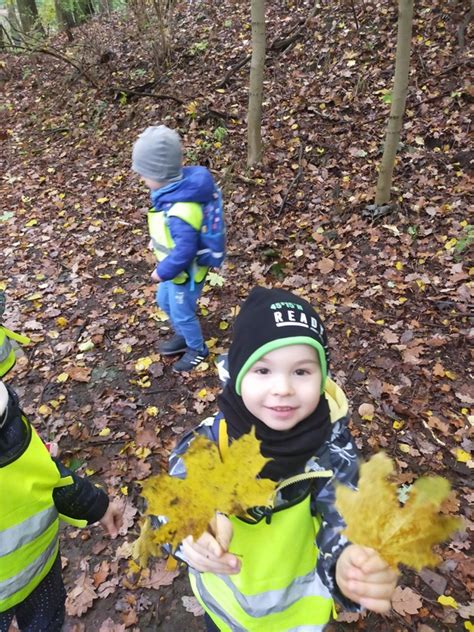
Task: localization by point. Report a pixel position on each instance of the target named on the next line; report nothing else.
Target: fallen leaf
(406, 601)
(81, 597)
(375, 519)
(326, 265)
(192, 605)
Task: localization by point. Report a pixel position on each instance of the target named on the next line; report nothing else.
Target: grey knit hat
(157, 154)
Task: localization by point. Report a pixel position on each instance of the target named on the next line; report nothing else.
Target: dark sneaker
(176, 344)
(190, 360)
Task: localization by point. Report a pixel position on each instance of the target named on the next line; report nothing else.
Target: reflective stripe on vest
(279, 588)
(16, 584)
(29, 521)
(18, 535)
(7, 353)
(163, 244)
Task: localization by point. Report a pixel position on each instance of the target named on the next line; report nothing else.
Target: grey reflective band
(213, 605)
(15, 537)
(159, 247)
(205, 251)
(5, 349)
(272, 601)
(14, 584)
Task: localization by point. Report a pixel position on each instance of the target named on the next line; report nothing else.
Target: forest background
(393, 285)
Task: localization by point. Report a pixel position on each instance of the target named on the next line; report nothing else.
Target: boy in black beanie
(283, 569)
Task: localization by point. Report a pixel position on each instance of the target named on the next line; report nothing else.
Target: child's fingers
(203, 560)
(209, 542)
(376, 605)
(223, 531)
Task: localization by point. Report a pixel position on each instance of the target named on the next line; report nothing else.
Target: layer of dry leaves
(394, 292)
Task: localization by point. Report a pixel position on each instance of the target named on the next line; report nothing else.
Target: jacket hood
(196, 185)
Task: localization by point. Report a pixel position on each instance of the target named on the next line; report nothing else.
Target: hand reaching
(209, 552)
(364, 577)
(112, 520)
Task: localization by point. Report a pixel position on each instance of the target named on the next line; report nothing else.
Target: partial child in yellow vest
(177, 195)
(283, 569)
(37, 490)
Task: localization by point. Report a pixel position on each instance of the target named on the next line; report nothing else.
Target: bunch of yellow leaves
(374, 517)
(211, 484)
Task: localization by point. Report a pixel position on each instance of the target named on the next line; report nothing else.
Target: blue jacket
(197, 185)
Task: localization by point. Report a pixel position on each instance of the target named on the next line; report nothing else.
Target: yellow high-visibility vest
(277, 588)
(163, 243)
(7, 353)
(29, 520)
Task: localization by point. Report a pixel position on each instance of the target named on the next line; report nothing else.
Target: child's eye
(262, 371)
(302, 372)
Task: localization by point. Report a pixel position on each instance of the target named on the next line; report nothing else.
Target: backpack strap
(222, 438)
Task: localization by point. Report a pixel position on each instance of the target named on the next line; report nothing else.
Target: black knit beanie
(270, 319)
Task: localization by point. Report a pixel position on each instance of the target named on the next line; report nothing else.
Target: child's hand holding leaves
(209, 552)
(401, 535)
(364, 577)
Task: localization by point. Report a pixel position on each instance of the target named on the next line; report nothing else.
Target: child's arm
(365, 578)
(186, 241)
(83, 500)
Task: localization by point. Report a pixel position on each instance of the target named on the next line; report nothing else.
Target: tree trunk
(254, 127)
(399, 95)
(13, 25)
(29, 17)
(83, 10)
(64, 16)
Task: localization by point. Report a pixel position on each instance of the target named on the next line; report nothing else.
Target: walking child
(177, 194)
(36, 491)
(283, 569)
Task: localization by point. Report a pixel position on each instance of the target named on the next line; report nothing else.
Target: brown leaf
(406, 601)
(157, 576)
(81, 597)
(326, 265)
(100, 573)
(79, 373)
(110, 626)
(192, 605)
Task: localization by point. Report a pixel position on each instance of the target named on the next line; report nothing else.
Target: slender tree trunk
(64, 16)
(29, 17)
(254, 128)
(13, 24)
(399, 95)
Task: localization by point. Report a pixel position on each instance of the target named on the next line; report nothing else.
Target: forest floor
(394, 290)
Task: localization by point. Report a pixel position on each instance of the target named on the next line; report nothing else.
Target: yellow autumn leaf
(375, 519)
(462, 456)
(189, 506)
(444, 600)
(119, 271)
(104, 276)
(223, 325)
(152, 411)
(104, 432)
(44, 410)
(32, 222)
(102, 200)
(142, 364)
(124, 490)
(62, 377)
(61, 321)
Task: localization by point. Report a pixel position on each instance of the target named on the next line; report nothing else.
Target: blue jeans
(43, 610)
(179, 302)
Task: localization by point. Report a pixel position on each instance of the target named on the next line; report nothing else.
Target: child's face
(152, 184)
(283, 387)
